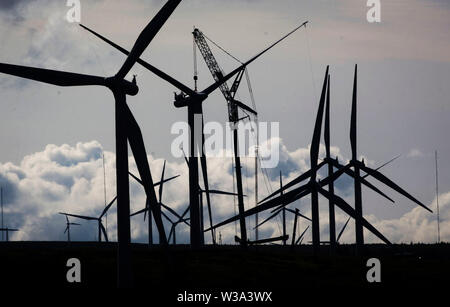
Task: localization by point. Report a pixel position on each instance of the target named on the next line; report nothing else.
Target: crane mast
(233, 116)
(218, 74)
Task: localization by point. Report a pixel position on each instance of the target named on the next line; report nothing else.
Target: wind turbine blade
(342, 204)
(382, 178)
(107, 207)
(353, 116)
(326, 133)
(167, 218)
(174, 213)
(104, 231)
(171, 232)
(75, 224)
(140, 156)
(315, 143)
(342, 230)
(147, 206)
(214, 86)
(139, 212)
(162, 182)
(89, 218)
(223, 193)
(206, 184)
(54, 77)
(165, 180)
(185, 158)
(67, 228)
(268, 219)
(147, 36)
(186, 211)
(274, 44)
(145, 64)
(299, 179)
(262, 241)
(291, 196)
(282, 200)
(245, 107)
(299, 214)
(351, 173)
(136, 178)
(299, 240)
(383, 165)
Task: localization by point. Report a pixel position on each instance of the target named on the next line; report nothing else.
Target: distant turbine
(101, 228)
(7, 230)
(68, 224)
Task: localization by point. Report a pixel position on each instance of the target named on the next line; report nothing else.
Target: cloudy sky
(52, 138)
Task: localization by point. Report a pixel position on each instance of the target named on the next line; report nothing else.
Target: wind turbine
(173, 229)
(300, 238)
(147, 203)
(282, 210)
(126, 129)
(342, 231)
(193, 100)
(207, 191)
(359, 166)
(101, 228)
(68, 224)
(159, 203)
(7, 230)
(313, 187)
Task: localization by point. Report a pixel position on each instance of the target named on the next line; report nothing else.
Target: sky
(53, 138)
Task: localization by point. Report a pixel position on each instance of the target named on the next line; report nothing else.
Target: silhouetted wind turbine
(126, 128)
(360, 165)
(101, 228)
(342, 231)
(160, 203)
(313, 187)
(6, 231)
(147, 203)
(193, 100)
(300, 238)
(68, 224)
(282, 210)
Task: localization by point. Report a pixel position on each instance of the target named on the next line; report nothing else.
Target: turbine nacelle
(182, 99)
(129, 88)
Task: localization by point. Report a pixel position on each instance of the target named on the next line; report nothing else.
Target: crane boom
(218, 74)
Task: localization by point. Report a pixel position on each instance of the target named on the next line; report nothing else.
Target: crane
(233, 114)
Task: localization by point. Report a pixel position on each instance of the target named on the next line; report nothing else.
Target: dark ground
(263, 268)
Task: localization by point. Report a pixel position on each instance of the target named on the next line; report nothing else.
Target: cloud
(417, 153)
(70, 179)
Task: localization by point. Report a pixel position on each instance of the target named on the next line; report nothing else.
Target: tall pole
(437, 198)
(295, 227)
(123, 195)
(256, 178)
(256, 192)
(283, 211)
(104, 191)
(239, 189)
(1, 196)
(150, 227)
(193, 180)
(357, 183)
(331, 211)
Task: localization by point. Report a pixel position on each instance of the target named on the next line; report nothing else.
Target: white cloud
(70, 179)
